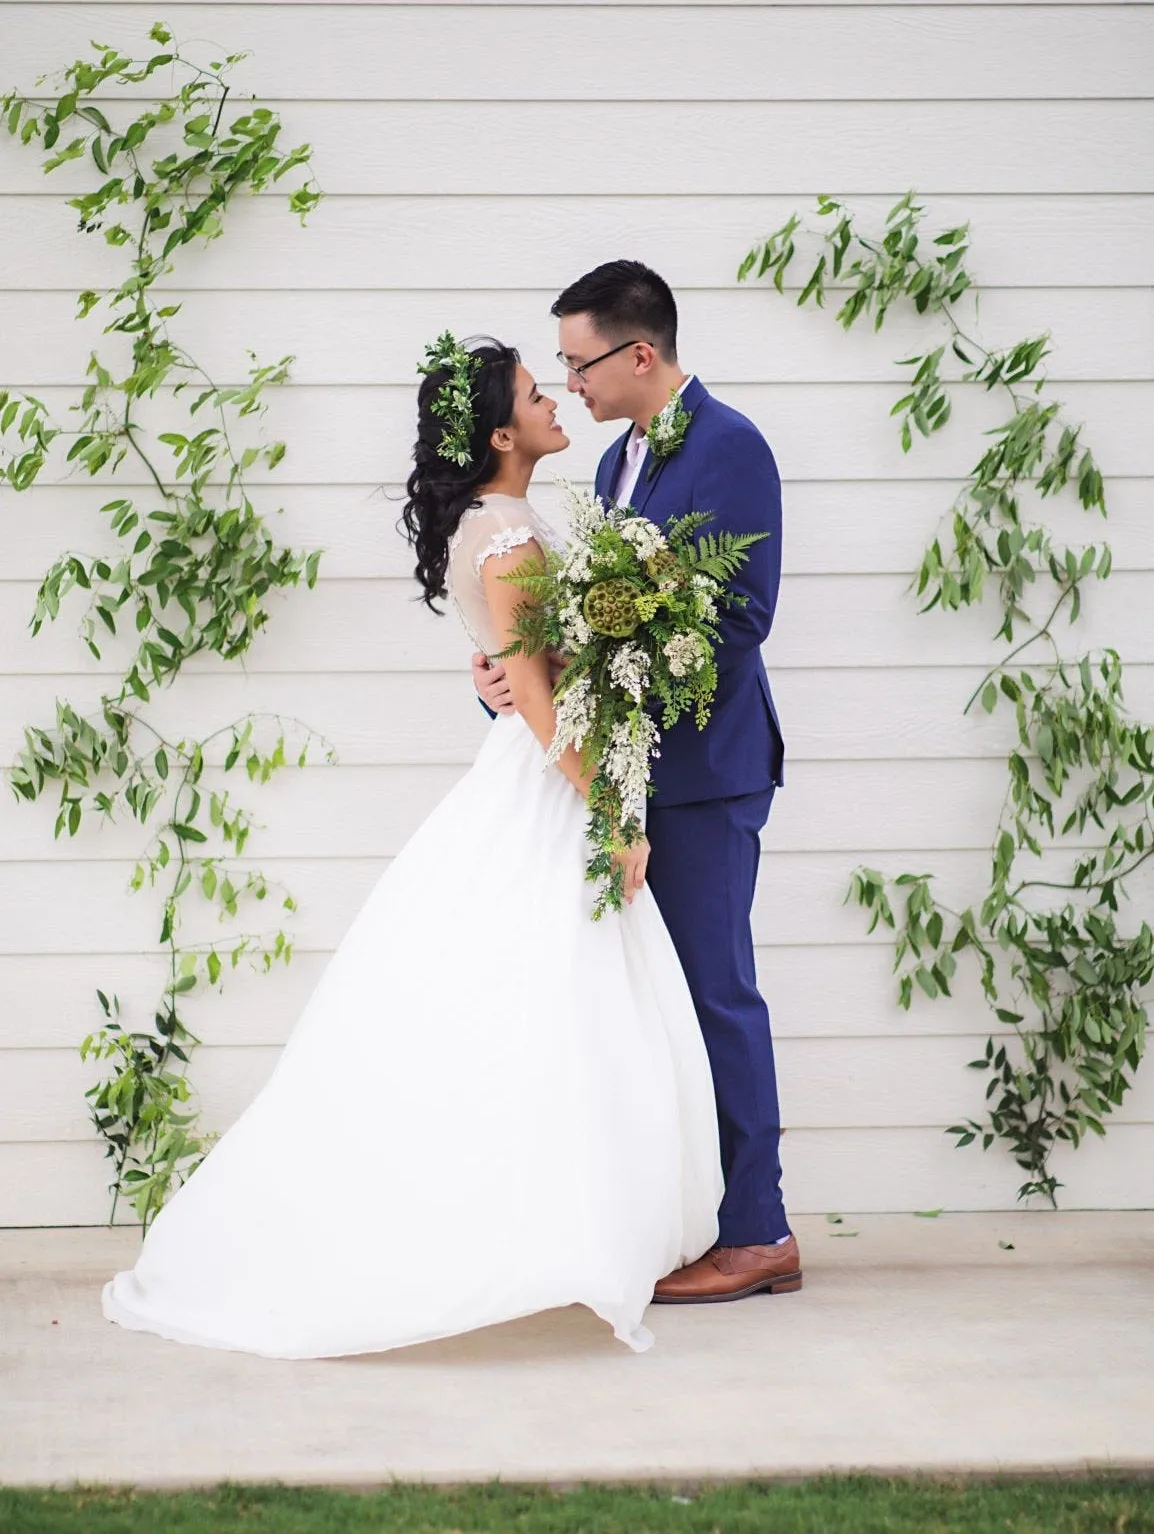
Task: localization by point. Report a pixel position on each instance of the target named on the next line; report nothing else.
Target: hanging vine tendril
(195, 569)
(1065, 975)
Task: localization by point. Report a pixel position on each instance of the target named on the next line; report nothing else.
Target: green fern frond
(532, 626)
(680, 530)
(532, 575)
(721, 555)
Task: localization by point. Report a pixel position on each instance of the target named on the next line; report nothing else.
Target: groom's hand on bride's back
(492, 685)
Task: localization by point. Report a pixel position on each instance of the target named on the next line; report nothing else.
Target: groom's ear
(644, 357)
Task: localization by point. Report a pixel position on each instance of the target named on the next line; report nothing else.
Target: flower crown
(454, 401)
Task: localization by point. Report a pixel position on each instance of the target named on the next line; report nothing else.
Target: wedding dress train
(489, 1106)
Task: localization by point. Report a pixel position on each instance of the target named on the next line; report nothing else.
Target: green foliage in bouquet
(635, 611)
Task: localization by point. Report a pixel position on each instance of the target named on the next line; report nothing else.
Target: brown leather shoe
(732, 1272)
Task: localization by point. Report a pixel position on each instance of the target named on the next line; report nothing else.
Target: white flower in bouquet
(642, 535)
(588, 513)
(579, 564)
(632, 746)
(705, 598)
(685, 653)
(629, 669)
(574, 626)
(576, 713)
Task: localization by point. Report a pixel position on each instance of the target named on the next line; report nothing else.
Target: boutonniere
(666, 432)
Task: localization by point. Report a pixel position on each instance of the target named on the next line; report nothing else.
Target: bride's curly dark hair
(440, 491)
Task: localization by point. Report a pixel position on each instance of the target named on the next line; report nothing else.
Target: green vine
(1063, 974)
(193, 575)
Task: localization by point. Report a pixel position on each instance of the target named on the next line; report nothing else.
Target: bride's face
(534, 429)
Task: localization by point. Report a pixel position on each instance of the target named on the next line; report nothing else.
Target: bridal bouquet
(634, 609)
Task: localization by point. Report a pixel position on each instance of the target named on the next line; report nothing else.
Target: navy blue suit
(713, 791)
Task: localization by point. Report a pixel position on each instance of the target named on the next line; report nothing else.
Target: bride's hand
(633, 862)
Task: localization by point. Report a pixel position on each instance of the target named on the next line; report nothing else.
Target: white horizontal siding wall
(477, 158)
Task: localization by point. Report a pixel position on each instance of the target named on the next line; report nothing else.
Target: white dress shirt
(635, 450)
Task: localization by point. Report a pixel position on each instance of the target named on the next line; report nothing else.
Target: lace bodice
(498, 525)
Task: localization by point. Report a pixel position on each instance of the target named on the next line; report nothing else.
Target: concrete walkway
(917, 1344)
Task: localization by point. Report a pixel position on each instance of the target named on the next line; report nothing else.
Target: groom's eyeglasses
(585, 366)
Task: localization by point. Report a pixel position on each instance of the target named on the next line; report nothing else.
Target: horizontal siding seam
(808, 1038)
(353, 385)
(786, 1128)
(462, 670)
(779, 194)
(659, 101)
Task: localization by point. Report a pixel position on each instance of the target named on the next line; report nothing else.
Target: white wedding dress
(490, 1106)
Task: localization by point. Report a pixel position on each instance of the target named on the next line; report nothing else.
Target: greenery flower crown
(454, 401)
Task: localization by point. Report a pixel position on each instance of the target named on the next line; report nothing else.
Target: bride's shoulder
(495, 526)
(524, 512)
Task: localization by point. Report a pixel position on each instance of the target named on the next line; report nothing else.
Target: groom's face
(608, 388)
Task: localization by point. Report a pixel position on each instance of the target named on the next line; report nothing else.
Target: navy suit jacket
(724, 467)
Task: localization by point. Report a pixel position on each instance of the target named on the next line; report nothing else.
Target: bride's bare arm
(529, 676)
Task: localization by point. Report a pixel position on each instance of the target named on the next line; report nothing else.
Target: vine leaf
(1068, 987)
(194, 573)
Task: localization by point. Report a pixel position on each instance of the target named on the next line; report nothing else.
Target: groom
(713, 787)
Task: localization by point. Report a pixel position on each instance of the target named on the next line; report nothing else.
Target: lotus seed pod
(663, 566)
(610, 608)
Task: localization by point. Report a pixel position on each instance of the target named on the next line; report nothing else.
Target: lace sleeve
(503, 541)
(496, 527)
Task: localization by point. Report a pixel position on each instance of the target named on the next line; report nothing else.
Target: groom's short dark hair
(623, 297)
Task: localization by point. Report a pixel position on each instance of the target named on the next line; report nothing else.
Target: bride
(446, 1143)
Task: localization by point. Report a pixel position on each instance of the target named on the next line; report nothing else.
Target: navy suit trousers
(703, 871)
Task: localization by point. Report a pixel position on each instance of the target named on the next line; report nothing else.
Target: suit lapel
(609, 469)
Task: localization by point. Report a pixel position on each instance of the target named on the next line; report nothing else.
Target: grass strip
(827, 1505)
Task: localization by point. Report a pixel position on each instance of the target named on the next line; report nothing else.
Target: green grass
(856, 1505)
